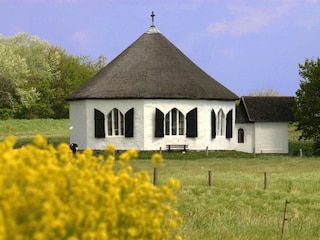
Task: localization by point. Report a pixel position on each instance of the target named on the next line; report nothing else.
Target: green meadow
(240, 203)
(55, 130)
(237, 205)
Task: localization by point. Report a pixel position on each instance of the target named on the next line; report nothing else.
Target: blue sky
(246, 45)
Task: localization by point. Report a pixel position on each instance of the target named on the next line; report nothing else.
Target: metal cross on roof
(152, 16)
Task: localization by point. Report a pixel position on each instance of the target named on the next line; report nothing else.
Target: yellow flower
(171, 224)
(133, 232)
(73, 238)
(133, 153)
(174, 183)
(81, 196)
(124, 157)
(156, 159)
(9, 142)
(40, 141)
(110, 149)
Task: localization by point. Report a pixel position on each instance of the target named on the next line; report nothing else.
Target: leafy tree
(31, 51)
(14, 73)
(307, 105)
(264, 92)
(35, 77)
(74, 71)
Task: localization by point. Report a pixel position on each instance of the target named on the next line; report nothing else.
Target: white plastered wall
(203, 140)
(263, 137)
(78, 123)
(82, 120)
(271, 137)
(120, 142)
(221, 142)
(248, 144)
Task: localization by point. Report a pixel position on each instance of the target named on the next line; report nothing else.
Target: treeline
(36, 77)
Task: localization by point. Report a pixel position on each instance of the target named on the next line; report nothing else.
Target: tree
(35, 77)
(14, 73)
(307, 104)
(32, 53)
(264, 92)
(74, 71)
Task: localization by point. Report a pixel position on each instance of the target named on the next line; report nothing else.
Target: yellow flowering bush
(51, 193)
(156, 159)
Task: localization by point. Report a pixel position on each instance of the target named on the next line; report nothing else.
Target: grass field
(55, 130)
(236, 206)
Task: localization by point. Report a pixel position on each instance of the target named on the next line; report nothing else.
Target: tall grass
(295, 145)
(55, 130)
(236, 206)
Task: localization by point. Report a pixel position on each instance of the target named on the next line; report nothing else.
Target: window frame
(221, 123)
(116, 123)
(174, 122)
(241, 136)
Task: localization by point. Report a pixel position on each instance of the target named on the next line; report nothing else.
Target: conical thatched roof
(152, 67)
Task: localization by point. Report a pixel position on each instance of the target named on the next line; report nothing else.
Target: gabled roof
(265, 109)
(152, 67)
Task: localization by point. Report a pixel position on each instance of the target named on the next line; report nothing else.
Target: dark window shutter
(129, 123)
(167, 123)
(99, 128)
(229, 125)
(159, 124)
(213, 124)
(192, 123)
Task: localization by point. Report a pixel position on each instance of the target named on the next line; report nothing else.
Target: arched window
(221, 123)
(174, 122)
(240, 135)
(115, 123)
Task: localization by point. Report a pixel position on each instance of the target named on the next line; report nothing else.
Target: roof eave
(182, 98)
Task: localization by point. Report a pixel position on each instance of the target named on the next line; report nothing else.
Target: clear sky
(246, 45)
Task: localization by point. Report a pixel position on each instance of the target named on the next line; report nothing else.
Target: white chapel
(152, 96)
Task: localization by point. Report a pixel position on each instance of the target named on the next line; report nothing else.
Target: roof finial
(152, 16)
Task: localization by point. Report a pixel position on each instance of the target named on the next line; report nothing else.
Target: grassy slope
(55, 130)
(295, 145)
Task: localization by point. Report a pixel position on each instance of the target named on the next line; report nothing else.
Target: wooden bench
(171, 147)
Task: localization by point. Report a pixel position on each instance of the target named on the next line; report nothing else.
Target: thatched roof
(152, 67)
(265, 109)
